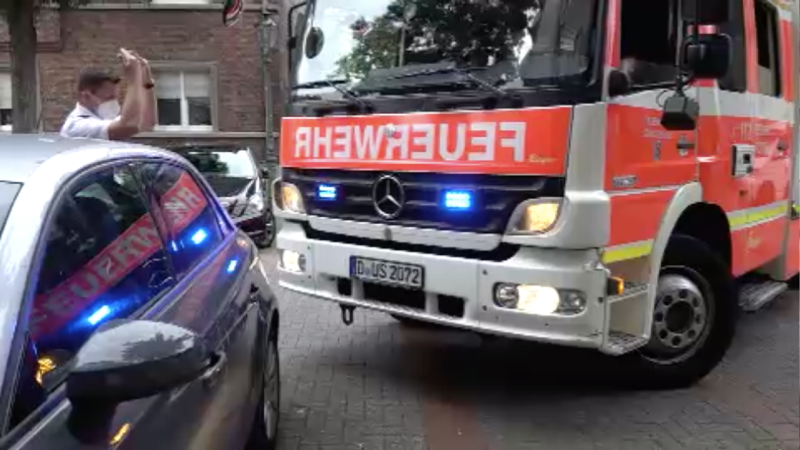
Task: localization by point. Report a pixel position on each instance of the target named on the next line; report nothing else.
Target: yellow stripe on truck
(625, 252)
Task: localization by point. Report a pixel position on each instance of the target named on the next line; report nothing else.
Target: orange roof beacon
(620, 175)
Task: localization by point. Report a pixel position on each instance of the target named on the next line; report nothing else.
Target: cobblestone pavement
(380, 385)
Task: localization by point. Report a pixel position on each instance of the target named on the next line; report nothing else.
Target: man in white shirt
(98, 114)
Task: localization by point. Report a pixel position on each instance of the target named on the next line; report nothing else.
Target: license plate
(387, 272)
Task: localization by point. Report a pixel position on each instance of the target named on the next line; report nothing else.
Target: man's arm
(127, 124)
(148, 116)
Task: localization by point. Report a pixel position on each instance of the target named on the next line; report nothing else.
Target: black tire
(691, 258)
(261, 438)
(265, 240)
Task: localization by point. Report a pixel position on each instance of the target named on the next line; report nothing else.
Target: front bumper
(471, 280)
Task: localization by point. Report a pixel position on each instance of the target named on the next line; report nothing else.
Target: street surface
(379, 385)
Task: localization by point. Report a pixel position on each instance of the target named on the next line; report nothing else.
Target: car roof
(22, 154)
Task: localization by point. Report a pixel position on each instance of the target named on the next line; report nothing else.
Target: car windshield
(8, 192)
(228, 172)
(533, 42)
(222, 163)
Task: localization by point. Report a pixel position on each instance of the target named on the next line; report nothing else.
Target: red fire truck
(613, 174)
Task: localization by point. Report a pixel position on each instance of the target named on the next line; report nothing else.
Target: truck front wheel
(694, 319)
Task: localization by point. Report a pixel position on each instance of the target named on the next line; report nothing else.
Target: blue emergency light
(457, 200)
(232, 265)
(326, 192)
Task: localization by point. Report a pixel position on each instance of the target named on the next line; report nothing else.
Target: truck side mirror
(295, 25)
(707, 56)
(705, 12)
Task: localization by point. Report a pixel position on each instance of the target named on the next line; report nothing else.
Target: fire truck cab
(619, 175)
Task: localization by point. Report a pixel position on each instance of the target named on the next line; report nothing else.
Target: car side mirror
(264, 171)
(128, 360)
(707, 56)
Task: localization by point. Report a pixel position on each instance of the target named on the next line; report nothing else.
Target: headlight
(291, 199)
(539, 300)
(536, 216)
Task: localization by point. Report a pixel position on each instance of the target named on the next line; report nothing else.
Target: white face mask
(109, 110)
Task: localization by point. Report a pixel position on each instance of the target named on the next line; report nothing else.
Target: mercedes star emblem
(388, 197)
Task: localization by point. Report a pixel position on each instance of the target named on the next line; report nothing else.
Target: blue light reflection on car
(99, 315)
(232, 265)
(199, 236)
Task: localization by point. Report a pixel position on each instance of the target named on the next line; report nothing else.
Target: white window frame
(185, 126)
(7, 72)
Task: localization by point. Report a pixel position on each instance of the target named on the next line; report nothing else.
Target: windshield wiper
(457, 70)
(402, 79)
(336, 83)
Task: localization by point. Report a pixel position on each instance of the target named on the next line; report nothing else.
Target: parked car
(240, 183)
(135, 315)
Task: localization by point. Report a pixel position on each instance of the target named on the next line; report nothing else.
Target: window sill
(195, 134)
(175, 6)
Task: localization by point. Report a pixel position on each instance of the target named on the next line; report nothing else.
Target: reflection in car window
(235, 164)
(536, 41)
(103, 260)
(191, 222)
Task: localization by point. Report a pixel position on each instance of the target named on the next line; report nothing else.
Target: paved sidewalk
(379, 385)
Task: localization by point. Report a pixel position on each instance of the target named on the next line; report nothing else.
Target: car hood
(229, 187)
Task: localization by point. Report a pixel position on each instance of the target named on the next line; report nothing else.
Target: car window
(192, 224)
(103, 259)
(234, 164)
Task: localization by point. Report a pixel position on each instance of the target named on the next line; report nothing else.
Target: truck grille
(495, 196)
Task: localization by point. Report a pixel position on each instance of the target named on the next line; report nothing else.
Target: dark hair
(92, 78)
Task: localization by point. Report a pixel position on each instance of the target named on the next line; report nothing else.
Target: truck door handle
(218, 362)
(685, 145)
(782, 146)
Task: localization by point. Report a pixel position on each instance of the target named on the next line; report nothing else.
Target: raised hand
(131, 66)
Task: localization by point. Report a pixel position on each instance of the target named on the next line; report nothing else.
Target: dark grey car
(240, 183)
(134, 313)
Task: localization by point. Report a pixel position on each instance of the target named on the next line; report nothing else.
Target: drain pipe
(267, 37)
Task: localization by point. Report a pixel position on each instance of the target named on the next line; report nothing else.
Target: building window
(5, 101)
(184, 100)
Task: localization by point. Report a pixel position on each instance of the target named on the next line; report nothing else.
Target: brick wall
(70, 40)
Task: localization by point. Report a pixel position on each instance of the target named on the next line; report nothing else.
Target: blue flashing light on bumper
(326, 192)
(458, 200)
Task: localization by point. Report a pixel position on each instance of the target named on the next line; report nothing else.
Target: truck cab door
(642, 157)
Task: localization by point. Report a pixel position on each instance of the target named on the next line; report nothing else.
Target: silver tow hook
(347, 314)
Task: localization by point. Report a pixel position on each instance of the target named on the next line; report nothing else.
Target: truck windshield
(8, 192)
(531, 42)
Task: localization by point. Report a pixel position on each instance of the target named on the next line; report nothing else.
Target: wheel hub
(680, 318)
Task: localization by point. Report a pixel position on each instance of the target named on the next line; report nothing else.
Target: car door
(214, 298)
(102, 258)
(187, 283)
